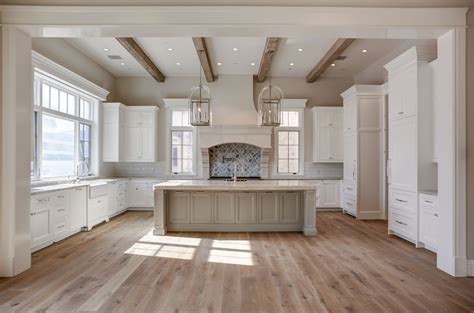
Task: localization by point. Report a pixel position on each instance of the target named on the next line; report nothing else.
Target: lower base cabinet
(429, 220)
(329, 194)
(238, 208)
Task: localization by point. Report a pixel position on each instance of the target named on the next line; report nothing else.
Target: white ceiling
(182, 59)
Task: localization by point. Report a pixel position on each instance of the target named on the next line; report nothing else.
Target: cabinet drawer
(59, 197)
(39, 202)
(428, 202)
(349, 188)
(60, 210)
(61, 225)
(403, 200)
(403, 223)
(349, 204)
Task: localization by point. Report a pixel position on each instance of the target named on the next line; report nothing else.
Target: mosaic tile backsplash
(223, 157)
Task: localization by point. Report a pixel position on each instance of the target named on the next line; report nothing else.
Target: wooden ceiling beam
(271, 46)
(203, 54)
(333, 53)
(137, 52)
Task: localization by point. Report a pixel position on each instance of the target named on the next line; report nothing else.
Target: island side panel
(309, 211)
(160, 212)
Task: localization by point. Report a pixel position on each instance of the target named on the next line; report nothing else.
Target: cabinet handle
(60, 197)
(403, 201)
(389, 171)
(349, 188)
(401, 223)
(61, 210)
(78, 189)
(331, 124)
(348, 203)
(99, 201)
(61, 226)
(330, 158)
(427, 201)
(436, 214)
(32, 214)
(400, 113)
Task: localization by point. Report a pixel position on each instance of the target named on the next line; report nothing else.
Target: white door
(350, 115)
(201, 207)
(224, 208)
(178, 207)
(246, 207)
(78, 208)
(133, 144)
(290, 208)
(402, 154)
(41, 226)
(410, 90)
(350, 156)
(268, 207)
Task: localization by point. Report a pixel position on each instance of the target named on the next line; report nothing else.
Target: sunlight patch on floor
(232, 244)
(162, 251)
(171, 240)
(230, 257)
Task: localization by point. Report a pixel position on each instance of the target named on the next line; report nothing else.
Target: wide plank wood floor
(351, 266)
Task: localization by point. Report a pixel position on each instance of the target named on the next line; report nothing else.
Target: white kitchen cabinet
(140, 134)
(246, 207)
(429, 220)
(112, 203)
(329, 195)
(141, 193)
(327, 135)
(410, 166)
(290, 207)
(363, 153)
(224, 208)
(112, 139)
(97, 207)
(269, 207)
(179, 207)
(41, 223)
(201, 207)
(129, 133)
(78, 208)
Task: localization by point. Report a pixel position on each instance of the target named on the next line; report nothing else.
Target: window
(63, 124)
(289, 153)
(182, 143)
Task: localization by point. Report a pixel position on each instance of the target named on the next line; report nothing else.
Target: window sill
(57, 180)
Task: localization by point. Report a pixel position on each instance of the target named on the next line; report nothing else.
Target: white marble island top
(240, 185)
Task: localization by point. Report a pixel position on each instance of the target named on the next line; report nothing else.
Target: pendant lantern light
(200, 104)
(270, 99)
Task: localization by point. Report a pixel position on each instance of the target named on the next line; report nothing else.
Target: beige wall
(470, 133)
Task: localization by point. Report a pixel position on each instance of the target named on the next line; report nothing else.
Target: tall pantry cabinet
(362, 188)
(410, 166)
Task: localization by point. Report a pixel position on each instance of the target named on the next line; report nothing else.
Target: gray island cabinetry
(199, 205)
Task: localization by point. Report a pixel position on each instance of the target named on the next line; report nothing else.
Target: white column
(309, 211)
(160, 212)
(15, 151)
(451, 255)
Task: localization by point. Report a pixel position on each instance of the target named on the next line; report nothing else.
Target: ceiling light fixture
(170, 49)
(300, 49)
(200, 104)
(235, 49)
(106, 49)
(364, 51)
(122, 63)
(270, 99)
(219, 63)
(177, 63)
(253, 63)
(333, 64)
(291, 64)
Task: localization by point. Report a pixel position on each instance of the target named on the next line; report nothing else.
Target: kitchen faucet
(81, 162)
(234, 178)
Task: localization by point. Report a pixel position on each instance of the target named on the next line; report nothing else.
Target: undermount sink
(237, 180)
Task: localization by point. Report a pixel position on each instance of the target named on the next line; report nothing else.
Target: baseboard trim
(470, 268)
(6, 266)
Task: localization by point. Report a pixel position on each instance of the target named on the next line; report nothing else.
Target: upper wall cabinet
(129, 133)
(327, 135)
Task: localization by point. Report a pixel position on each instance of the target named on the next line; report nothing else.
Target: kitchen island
(228, 206)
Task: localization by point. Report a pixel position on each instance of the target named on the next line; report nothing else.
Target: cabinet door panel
(268, 208)
(41, 227)
(224, 208)
(201, 208)
(324, 144)
(336, 145)
(148, 148)
(290, 208)
(133, 144)
(330, 194)
(246, 206)
(410, 90)
(133, 118)
(178, 207)
(395, 109)
(78, 208)
(350, 156)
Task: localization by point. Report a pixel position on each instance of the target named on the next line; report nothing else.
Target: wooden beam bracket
(203, 54)
(271, 47)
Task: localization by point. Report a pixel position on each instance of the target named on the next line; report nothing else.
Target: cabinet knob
(400, 113)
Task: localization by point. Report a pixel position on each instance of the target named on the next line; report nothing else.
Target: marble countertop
(246, 185)
(58, 187)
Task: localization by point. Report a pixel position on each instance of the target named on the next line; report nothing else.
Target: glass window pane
(177, 152)
(176, 165)
(177, 118)
(284, 118)
(293, 138)
(282, 138)
(87, 110)
(293, 120)
(71, 104)
(63, 101)
(45, 96)
(177, 137)
(293, 152)
(187, 166)
(58, 147)
(283, 166)
(283, 152)
(293, 166)
(54, 99)
(186, 118)
(188, 138)
(187, 152)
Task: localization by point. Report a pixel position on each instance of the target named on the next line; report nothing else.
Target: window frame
(39, 110)
(170, 108)
(300, 129)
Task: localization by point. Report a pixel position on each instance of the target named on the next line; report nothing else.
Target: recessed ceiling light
(291, 64)
(364, 51)
(177, 63)
(122, 63)
(333, 64)
(219, 63)
(170, 49)
(106, 49)
(235, 49)
(253, 63)
(300, 49)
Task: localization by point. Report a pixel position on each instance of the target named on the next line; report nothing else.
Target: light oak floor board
(351, 266)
